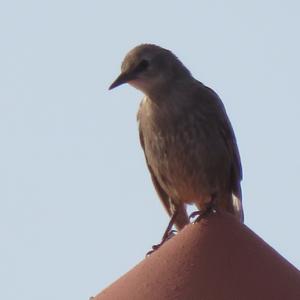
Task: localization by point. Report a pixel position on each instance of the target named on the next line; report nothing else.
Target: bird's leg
(167, 234)
(210, 209)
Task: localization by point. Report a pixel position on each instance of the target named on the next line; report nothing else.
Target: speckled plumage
(189, 144)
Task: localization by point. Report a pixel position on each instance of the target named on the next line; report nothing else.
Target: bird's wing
(217, 108)
(236, 167)
(230, 141)
(182, 218)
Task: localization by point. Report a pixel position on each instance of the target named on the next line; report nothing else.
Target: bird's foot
(202, 214)
(194, 214)
(169, 233)
(166, 237)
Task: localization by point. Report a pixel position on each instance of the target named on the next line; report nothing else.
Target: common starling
(188, 141)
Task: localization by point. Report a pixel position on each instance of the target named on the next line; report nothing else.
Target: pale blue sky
(77, 207)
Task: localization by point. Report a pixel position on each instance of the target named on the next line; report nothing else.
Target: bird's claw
(202, 214)
(194, 214)
(165, 238)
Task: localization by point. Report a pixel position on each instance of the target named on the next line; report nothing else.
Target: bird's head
(149, 67)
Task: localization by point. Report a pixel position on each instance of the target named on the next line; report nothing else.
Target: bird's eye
(142, 66)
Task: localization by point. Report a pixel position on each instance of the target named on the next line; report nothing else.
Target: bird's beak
(121, 79)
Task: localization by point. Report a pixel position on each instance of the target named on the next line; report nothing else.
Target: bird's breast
(184, 151)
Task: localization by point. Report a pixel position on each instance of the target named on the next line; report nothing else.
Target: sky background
(77, 207)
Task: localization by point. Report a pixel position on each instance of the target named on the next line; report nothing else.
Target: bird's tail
(232, 203)
(237, 208)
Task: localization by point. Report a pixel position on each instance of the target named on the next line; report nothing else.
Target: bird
(189, 144)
